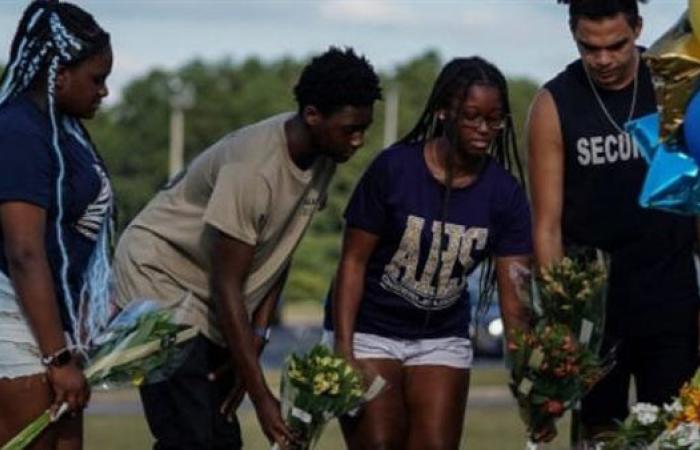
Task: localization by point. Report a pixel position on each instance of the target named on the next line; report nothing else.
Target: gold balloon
(694, 17)
(674, 61)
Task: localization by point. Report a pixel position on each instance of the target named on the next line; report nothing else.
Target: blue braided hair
(52, 34)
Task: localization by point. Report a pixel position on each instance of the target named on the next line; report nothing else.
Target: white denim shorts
(19, 351)
(451, 351)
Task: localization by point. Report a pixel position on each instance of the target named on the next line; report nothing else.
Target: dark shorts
(659, 364)
(183, 411)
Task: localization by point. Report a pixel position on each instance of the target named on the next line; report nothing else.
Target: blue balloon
(691, 127)
(672, 182)
(645, 131)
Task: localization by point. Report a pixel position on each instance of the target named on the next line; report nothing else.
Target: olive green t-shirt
(246, 186)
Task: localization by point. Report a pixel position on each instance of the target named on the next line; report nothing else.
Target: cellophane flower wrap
(136, 344)
(317, 387)
(672, 426)
(555, 361)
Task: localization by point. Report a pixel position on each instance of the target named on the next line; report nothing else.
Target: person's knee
(381, 444)
(436, 442)
(375, 440)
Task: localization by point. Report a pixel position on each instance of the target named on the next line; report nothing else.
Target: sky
(523, 37)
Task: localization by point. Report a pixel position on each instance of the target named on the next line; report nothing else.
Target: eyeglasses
(476, 121)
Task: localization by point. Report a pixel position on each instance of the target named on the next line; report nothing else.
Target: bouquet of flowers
(138, 341)
(674, 426)
(317, 387)
(555, 362)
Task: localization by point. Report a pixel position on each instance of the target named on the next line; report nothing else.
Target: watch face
(60, 359)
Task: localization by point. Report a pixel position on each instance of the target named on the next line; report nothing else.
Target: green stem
(29, 433)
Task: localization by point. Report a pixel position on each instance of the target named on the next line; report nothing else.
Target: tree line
(133, 137)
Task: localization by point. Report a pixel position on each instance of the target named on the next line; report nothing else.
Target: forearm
(546, 174)
(514, 313)
(548, 244)
(238, 333)
(264, 312)
(513, 282)
(33, 283)
(347, 297)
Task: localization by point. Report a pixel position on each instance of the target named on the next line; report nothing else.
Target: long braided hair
(453, 84)
(52, 34)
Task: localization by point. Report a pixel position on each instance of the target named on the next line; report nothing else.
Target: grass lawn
(486, 427)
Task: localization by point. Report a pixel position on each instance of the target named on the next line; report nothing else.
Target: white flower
(674, 408)
(645, 413)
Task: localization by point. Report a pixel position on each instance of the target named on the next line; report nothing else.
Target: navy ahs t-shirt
(399, 200)
(28, 171)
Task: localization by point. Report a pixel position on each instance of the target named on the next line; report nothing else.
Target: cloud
(368, 12)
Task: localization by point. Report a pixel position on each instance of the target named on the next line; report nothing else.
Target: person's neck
(39, 99)
(463, 171)
(462, 165)
(299, 143)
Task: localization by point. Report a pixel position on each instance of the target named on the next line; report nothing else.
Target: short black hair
(600, 9)
(335, 79)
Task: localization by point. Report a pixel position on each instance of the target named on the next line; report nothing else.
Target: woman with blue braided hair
(55, 217)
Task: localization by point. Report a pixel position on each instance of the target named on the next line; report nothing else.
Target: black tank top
(652, 275)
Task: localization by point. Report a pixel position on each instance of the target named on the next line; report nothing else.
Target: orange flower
(690, 399)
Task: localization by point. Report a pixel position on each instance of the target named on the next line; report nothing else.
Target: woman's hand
(69, 386)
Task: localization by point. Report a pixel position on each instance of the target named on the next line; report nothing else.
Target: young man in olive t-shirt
(215, 246)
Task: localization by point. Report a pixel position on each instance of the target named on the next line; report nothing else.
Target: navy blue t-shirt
(28, 173)
(399, 200)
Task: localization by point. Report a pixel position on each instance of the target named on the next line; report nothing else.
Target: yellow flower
(356, 392)
(138, 380)
(556, 288)
(583, 294)
(296, 375)
(336, 362)
(321, 384)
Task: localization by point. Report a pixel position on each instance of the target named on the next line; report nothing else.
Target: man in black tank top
(586, 174)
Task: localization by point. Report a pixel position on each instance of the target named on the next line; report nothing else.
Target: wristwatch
(263, 333)
(57, 359)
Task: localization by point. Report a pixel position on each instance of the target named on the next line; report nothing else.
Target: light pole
(391, 115)
(182, 97)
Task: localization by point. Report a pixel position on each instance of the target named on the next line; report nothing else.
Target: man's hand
(267, 408)
(546, 433)
(235, 396)
(233, 401)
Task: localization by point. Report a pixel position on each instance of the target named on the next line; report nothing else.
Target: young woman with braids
(427, 211)
(55, 208)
